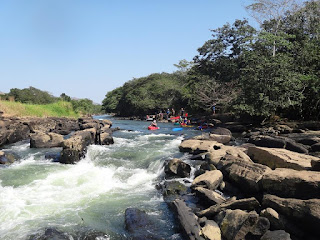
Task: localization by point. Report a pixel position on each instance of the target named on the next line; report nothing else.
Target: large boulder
(291, 183)
(177, 168)
(187, 219)
(280, 158)
(305, 212)
(173, 189)
(7, 158)
(220, 138)
(221, 131)
(267, 141)
(16, 131)
(248, 204)
(276, 235)
(41, 124)
(238, 224)
(309, 140)
(208, 197)
(45, 140)
(280, 222)
(246, 175)
(215, 155)
(65, 126)
(315, 147)
(194, 146)
(106, 139)
(210, 229)
(74, 148)
(210, 179)
(276, 220)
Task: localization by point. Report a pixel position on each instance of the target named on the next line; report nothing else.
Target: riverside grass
(57, 109)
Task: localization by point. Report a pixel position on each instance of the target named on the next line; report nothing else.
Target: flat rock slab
(195, 146)
(292, 183)
(281, 158)
(246, 175)
(305, 212)
(210, 179)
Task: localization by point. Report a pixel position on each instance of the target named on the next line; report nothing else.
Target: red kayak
(153, 128)
(174, 118)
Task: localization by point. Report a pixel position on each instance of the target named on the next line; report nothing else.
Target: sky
(86, 48)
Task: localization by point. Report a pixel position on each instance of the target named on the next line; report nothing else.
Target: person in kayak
(154, 123)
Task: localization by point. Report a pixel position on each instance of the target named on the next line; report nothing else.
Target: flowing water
(37, 193)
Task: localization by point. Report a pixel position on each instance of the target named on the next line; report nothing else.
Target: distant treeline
(273, 70)
(33, 95)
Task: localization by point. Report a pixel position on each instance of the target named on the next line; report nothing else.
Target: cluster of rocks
(72, 135)
(244, 192)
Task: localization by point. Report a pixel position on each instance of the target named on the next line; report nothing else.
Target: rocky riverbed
(267, 187)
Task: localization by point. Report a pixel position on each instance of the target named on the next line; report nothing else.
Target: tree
(184, 66)
(65, 97)
(211, 93)
(272, 12)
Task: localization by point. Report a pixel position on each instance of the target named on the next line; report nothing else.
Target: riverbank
(57, 109)
(72, 135)
(267, 188)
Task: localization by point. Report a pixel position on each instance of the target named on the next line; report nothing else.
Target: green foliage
(266, 72)
(110, 103)
(31, 95)
(146, 95)
(85, 107)
(57, 109)
(65, 97)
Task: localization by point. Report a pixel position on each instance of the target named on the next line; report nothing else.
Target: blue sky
(86, 48)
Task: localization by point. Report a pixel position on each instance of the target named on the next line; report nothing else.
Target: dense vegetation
(33, 98)
(274, 70)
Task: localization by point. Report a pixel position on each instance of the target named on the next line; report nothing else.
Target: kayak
(174, 118)
(185, 125)
(153, 128)
(177, 129)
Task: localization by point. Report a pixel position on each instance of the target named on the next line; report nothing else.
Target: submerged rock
(51, 234)
(139, 224)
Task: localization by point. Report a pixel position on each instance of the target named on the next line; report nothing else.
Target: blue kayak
(177, 129)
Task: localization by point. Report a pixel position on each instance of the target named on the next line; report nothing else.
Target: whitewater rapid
(36, 193)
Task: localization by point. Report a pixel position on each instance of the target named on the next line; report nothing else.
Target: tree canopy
(273, 70)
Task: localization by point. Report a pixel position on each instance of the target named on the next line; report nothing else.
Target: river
(37, 193)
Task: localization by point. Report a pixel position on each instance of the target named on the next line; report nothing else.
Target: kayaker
(154, 123)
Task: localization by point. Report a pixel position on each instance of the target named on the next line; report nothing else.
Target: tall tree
(272, 11)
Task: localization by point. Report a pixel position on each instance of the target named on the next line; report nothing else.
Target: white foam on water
(70, 189)
(20, 146)
(67, 190)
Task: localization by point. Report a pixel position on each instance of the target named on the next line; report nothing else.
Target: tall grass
(57, 109)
